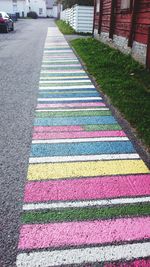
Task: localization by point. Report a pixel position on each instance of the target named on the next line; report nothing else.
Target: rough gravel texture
(20, 56)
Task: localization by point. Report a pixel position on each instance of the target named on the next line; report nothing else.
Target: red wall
(142, 21)
(122, 20)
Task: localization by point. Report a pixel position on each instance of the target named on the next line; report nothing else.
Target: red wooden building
(126, 23)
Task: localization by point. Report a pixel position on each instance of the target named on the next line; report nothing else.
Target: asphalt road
(21, 54)
(20, 59)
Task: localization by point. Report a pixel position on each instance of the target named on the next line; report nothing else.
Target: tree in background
(70, 3)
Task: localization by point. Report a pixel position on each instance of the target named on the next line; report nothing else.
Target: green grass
(64, 27)
(120, 77)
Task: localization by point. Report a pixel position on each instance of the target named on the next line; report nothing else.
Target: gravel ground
(20, 56)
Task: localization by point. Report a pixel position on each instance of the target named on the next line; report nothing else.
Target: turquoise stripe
(44, 95)
(75, 121)
(73, 149)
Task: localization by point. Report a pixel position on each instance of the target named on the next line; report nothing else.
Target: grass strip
(64, 27)
(73, 113)
(123, 79)
(82, 214)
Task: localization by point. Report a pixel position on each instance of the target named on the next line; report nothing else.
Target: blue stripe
(44, 95)
(89, 148)
(67, 101)
(75, 121)
(68, 90)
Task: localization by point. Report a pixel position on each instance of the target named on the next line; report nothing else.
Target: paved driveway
(20, 59)
(83, 198)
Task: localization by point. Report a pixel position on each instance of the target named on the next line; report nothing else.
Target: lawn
(64, 27)
(124, 80)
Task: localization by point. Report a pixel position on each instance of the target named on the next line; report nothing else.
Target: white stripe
(72, 81)
(82, 158)
(80, 140)
(83, 255)
(54, 46)
(66, 87)
(63, 77)
(63, 71)
(58, 51)
(60, 55)
(51, 57)
(67, 65)
(71, 109)
(88, 203)
(58, 60)
(69, 99)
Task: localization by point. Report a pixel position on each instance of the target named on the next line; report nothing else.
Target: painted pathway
(87, 193)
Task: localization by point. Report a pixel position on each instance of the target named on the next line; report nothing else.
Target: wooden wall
(132, 23)
(122, 21)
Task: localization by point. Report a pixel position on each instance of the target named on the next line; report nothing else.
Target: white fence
(79, 17)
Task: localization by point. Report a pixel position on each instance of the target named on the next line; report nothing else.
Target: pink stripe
(135, 263)
(83, 233)
(41, 129)
(95, 104)
(89, 188)
(82, 134)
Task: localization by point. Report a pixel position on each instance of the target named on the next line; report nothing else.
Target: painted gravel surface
(86, 199)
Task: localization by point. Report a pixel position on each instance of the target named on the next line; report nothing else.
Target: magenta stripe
(82, 134)
(92, 104)
(89, 188)
(83, 233)
(135, 263)
(57, 129)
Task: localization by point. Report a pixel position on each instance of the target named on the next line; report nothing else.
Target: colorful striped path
(87, 194)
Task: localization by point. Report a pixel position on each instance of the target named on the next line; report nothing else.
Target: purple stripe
(88, 188)
(135, 263)
(36, 236)
(57, 129)
(59, 135)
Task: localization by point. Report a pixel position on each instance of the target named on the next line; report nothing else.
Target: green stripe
(66, 84)
(82, 214)
(102, 127)
(73, 113)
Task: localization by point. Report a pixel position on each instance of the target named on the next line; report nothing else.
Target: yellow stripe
(85, 169)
